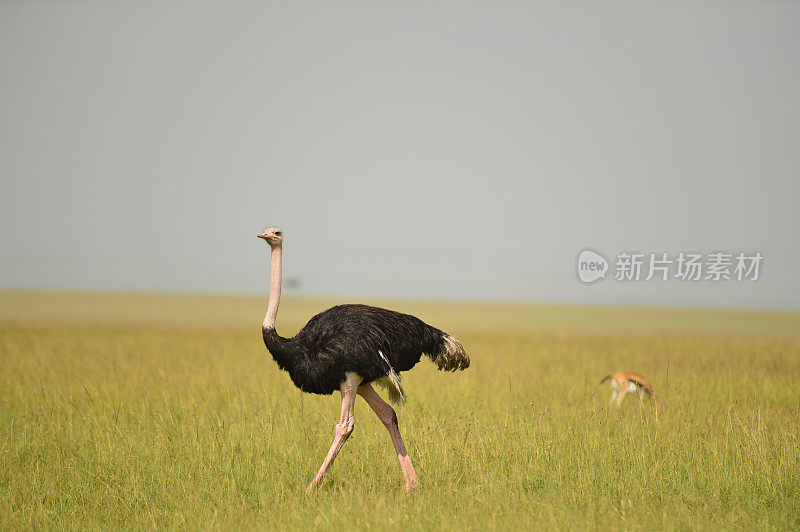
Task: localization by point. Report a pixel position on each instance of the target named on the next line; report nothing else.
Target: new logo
(592, 266)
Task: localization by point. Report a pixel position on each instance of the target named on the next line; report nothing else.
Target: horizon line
(93, 291)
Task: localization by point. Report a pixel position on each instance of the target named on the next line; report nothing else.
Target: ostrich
(347, 348)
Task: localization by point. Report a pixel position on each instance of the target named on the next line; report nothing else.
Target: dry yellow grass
(150, 410)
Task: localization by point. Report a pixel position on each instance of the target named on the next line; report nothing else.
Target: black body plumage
(348, 338)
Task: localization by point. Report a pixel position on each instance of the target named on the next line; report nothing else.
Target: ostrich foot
(412, 485)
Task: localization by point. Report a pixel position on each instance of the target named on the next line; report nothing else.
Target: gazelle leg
(389, 418)
(614, 394)
(621, 396)
(345, 426)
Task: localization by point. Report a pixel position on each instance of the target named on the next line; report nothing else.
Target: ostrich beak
(263, 235)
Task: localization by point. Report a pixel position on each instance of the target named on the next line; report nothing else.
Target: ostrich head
(273, 236)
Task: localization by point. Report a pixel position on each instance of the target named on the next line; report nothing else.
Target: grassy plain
(123, 410)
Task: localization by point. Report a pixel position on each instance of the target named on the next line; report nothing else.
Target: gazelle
(624, 382)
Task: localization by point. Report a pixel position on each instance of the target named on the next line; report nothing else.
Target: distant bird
(348, 347)
(623, 383)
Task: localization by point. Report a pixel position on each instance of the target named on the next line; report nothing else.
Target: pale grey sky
(458, 150)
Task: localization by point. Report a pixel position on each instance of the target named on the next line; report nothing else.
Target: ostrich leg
(387, 415)
(345, 426)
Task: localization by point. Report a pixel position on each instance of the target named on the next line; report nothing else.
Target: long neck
(274, 289)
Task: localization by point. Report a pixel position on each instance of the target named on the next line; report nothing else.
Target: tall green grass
(166, 411)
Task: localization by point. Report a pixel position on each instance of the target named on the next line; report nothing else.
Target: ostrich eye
(277, 233)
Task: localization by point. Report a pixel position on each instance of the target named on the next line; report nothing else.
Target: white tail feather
(451, 356)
